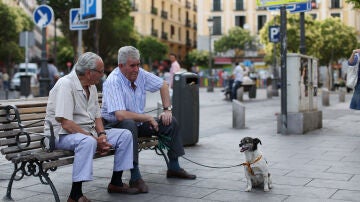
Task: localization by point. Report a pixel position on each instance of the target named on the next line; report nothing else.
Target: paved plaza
(322, 165)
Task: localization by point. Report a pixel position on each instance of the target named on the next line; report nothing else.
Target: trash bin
(185, 103)
(252, 91)
(25, 85)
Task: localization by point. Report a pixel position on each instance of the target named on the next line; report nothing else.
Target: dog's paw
(266, 189)
(248, 189)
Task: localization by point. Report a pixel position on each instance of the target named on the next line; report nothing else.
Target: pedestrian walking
(354, 61)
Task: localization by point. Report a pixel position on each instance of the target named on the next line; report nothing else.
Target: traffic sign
(293, 8)
(43, 15)
(90, 9)
(264, 3)
(75, 21)
(274, 33)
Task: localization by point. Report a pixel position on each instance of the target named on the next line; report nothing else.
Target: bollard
(238, 109)
(269, 92)
(240, 94)
(325, 97)
(342, 92)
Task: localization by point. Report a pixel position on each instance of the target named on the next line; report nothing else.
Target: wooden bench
(22, 143)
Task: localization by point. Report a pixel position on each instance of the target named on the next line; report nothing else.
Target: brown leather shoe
(125, 189)
(180, 174)
(81, 199)
(140, 185)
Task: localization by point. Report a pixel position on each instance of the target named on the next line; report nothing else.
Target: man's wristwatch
(169, 108)
(101, 133)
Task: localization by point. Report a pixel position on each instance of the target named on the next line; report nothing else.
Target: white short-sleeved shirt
(67, 99)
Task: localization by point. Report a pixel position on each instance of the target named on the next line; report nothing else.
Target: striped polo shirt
(119, 95)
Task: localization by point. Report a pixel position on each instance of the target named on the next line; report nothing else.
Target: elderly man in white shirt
(74, 111)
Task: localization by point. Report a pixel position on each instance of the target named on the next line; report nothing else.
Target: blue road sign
(75, 21)
(43, 15)
(90, 9)
(274, 33)
(293, 8)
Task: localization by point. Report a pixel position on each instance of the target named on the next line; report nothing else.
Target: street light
(210, 87)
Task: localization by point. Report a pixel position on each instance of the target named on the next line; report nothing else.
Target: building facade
(174, 22)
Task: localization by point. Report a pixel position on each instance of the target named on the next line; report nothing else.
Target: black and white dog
(256, 167)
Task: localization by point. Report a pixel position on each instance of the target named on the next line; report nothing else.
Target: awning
(222, 61)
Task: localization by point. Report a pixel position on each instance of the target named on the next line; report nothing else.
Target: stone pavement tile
(302, 199)
(347, 185)
(356, 178)
(344, 169)
(25, 182)
(287, 180)
(221, 184)
(42, 197)
(239, 195)
(181, 191)
(103, 195)
(17, 194)
(347, 195)
(311, 192)
(151, 178)
(320, 175)
(179, 199)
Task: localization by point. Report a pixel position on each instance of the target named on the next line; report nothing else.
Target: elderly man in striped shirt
(124, 95)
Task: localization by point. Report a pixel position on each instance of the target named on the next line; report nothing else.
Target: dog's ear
(257, 141)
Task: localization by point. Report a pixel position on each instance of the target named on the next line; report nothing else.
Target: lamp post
(210, 87)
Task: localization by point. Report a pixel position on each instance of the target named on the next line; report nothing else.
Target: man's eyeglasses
(98, 71)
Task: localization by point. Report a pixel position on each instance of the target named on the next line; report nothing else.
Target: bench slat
(13, 133)
(5, 142)
(14, 149)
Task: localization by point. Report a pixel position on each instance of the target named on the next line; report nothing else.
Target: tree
(151, 49)
(356, 3)
(105, 36)
(14, 20)
(198, 57)
(237, 39)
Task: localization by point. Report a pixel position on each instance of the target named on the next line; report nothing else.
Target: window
(335, 3)
(217, 26)
(216, 5)
(239, 5)
(335, 15)
(240, 21)
(261, 19)
(314, 16)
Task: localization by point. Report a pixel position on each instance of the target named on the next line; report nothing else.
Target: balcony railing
(164, 35)
(134, 8)
(188, 42)
(188, 4)
(195, 7)
(154, 32)
(188, 23)
(164, 14)
(195, 25)
(154, 10)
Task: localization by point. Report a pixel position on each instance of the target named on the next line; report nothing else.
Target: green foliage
(199, 57)
(327, 40)
(236, 39)
(356, 3)
(152, 49)
(13, 21)
(65, 53)
(105, 36)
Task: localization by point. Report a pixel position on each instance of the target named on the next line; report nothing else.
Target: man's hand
(166, 117)
(154, 124)
(103, 147)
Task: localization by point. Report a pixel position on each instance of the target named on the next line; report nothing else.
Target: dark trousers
(144, 130)
(236, 85)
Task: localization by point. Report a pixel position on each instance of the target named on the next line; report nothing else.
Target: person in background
(5, 80)
(238, 74)
(53, 72)
(352, 61)
(124, 96)
(175, 67)
(74, 111)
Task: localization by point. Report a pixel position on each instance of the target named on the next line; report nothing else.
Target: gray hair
(127, 52)
(85, 62)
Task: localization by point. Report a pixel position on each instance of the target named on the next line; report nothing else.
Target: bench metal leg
(49, 182)
(8, 197)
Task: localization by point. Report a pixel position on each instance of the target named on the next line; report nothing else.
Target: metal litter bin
(25, 82)
(185, 103)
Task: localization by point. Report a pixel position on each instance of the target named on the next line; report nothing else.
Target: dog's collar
(248, 164)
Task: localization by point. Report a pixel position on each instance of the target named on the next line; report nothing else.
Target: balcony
(164, 35)
(188, 42)
(154, 10)
(154, 32)
(195, 7)
(188, 4)
(134, 8)
(188, 23)
(195, 25)
(164, 14)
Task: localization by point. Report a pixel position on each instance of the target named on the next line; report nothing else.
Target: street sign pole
(79, 51)
(283, 40)
(302, 34)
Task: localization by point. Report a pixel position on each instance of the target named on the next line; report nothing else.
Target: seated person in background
(124, 96)
(74, 111)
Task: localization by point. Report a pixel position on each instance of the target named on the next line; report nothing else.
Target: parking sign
(90, 9)
(274, 33)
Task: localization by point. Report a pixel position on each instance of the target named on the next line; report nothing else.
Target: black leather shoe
(182, 174)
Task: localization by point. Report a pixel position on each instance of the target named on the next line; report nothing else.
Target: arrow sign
(75, 21)
(43, 15)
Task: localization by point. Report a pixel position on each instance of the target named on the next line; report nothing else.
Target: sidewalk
(322, 165)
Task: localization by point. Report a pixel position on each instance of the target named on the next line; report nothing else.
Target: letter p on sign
(274, 33)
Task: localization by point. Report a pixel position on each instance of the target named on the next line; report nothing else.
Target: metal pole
(302, 34)
(283, 40)
(44, 73)
(79, 43)
(275, 91)
(210, 87)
